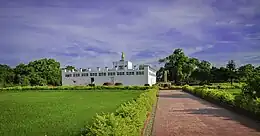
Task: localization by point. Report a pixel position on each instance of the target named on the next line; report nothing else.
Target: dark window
(76, 75)
(68, 75)
(84, 74)
(140, 73)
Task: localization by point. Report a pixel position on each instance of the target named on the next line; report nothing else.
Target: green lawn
(55, 113)
(233, 91)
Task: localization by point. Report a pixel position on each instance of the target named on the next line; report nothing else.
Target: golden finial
(122, 56)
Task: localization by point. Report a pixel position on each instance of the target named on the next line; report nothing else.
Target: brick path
(181, 114)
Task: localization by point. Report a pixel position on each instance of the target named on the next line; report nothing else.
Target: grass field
(233, 91)
(55, 113)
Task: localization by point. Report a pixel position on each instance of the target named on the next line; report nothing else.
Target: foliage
(185, 70)
(108, 84)
(128, 119)
(252, 87)
(25, 88)
(56, 113)
(70, 67)
(38, 72)
(240, 100)
(231, 66)
(118, 84)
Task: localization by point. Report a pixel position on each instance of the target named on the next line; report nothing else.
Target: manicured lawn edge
(28, 88)
(128, 119)
(148, 128)
(239, 104)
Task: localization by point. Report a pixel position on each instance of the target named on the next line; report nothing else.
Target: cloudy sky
(93, 33)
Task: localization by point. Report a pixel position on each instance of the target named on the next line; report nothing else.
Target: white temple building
(122, 72)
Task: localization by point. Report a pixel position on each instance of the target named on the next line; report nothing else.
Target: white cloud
(57, 29)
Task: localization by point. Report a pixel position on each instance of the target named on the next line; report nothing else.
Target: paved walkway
(181, 114)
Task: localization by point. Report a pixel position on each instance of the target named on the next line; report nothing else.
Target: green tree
(245, 72)
(231, 66)
(69, 67)
(202, 72)
(7, 76)
(159, 74)
(174, 63)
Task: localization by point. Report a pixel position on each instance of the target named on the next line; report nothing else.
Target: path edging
(148, 129)
(234, 109)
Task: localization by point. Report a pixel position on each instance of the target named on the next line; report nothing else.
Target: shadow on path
(181, 95)
(226, 114)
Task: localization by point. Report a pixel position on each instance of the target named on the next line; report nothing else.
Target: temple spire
(122, 56)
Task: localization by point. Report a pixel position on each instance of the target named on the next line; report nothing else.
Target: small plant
(108, 84)
(146, 84)
(91, 85)
(118, 84)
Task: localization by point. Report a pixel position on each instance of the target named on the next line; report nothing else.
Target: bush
(241, 101)
(146, 84)
(252, 86)
(128, 120)
(26, 88)
(118, 84)
(108, 84)
(91, 84)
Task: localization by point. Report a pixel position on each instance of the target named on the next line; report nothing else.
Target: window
(102, 74)
(140, 73)
(93, 74)
(111, 73)
(84, 74)
(120, 73)
(68, 75)
(76, 75)
(130, 73)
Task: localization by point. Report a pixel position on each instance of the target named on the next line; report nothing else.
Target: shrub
(108, 84)
(252, 87)
(91, 84)
(146, 84)
(241, 101)
(26, 88)
(118, 84)
(128, 120)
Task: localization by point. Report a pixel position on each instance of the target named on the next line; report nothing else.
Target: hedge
(127, 120)
(241, 103)
(222, 86)
(26, 88)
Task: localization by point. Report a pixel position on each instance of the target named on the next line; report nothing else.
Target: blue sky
(93, 33)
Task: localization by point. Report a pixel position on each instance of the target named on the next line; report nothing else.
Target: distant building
(122, 72)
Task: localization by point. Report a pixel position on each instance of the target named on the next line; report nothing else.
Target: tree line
(182, 69)
(39, 72)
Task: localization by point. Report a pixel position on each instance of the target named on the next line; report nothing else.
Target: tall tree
(202, 72)
(175, 64)
(231, 66)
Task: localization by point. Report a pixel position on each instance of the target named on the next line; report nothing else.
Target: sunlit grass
(55, 113)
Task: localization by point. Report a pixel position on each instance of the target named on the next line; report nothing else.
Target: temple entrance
(92, 80)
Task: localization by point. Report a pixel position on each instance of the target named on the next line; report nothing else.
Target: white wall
(151, 78)
(100, 80)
